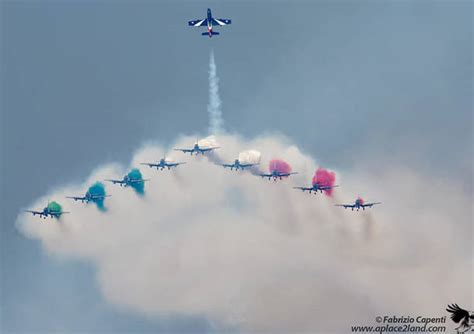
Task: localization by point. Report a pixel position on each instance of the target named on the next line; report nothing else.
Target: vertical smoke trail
(214, 106)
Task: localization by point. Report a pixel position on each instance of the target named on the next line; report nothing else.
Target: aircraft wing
(100, 196)
(184, 150)
(247, 165)
(138, 181)
(346, 205)
(288, 174)
(266, 175)
(115, 181)
(209, 148)
(327, 187)
(228, 165)
(369, 205)
(221, 22)
(149, 164)
(174, 164)
(35, 212)
(76, 198)
(303, 188)
(198, 23)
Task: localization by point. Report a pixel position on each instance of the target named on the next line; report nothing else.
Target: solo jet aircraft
(88, 197)
(359, 204)
(276, 175)
(127, 181)
(53, 210)
(210, 22)
(197, 149)
(162, 164)
(316, 187)
(238, 165)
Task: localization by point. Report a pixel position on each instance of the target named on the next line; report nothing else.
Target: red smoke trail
(324, 177)
(279, 165)
(361, 200)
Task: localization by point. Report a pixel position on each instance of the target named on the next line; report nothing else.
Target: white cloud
(262, 256)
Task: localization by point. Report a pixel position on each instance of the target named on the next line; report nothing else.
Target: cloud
(261, 256)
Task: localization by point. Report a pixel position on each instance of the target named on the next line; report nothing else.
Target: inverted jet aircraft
(88, 197)
(127, 181)
(53, 210)
(316, 187)
(276, 175)
(238, 165)
(162, 164)
(359, 204)
(197, 149)
(210, 22)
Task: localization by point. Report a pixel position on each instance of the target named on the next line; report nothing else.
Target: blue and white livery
(210, 22)
(197, 149)
(276, 175)
(359, 204)
(238, 165)
(316, 187)
(88, 197)
(127, 181)
(162, 164)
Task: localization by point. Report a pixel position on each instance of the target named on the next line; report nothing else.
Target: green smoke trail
(139, 187)
(54, 206)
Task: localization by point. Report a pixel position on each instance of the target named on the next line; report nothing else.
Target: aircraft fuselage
(209, 22)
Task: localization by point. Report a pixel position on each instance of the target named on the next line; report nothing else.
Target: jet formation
(134, 179)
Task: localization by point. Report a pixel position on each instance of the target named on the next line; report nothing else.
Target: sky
(87, 83)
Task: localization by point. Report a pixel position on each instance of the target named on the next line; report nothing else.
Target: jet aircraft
(162, 164)
(197, 149)
(53, 210)
(316, 187)
(127, 181)
(359, 204)
(276, 175)
(238, 165)
(88, 197)
(210, 22)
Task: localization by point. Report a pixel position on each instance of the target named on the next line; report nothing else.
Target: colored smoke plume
(250, 157)
(139, 187)
(279, 166)
(209, 141)
(324, 177)
(242, 252)
(54, 206)
(98, 189)
(360, 200)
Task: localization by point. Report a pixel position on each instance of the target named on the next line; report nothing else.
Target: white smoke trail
(243, 251)
(214, 106)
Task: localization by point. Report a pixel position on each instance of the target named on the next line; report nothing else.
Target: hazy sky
(85, 83)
